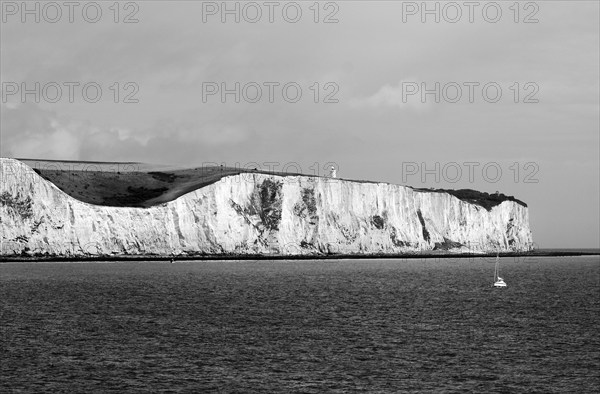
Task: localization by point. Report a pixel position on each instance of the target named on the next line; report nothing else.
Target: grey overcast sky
(374, 59)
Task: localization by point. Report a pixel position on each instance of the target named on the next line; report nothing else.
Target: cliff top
(486, 200)
(132, 184)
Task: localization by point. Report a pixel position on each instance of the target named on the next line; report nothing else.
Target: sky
(491, 96)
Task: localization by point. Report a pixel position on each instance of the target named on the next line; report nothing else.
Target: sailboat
(498, 281)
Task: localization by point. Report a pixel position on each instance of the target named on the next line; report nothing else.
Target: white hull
(498, 281)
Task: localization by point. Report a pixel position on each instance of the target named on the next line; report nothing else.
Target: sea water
(426, 325)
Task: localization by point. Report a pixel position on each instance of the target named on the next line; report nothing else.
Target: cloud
(29, 131)
(387, 96)
(402, 96)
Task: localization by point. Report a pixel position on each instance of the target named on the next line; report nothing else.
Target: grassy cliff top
(129, 184)
(132, 184)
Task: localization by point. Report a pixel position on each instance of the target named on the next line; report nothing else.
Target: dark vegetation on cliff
(378, 222)
(19, 205)
(447, 245)
(307, 207)
(426, 236)
(130, 184)
(486, 200)
(266, 203)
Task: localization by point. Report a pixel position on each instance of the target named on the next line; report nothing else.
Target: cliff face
(254, 214)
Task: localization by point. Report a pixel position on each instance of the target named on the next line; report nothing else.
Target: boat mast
(496, 267)
(495, 270)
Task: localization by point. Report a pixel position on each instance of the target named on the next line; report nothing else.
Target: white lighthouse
(333, 172)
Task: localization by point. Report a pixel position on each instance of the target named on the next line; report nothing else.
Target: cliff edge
(254, 214)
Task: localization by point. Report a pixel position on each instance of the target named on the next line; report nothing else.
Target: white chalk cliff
(256, 214)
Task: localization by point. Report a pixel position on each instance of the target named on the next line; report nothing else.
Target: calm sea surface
(302, 326)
